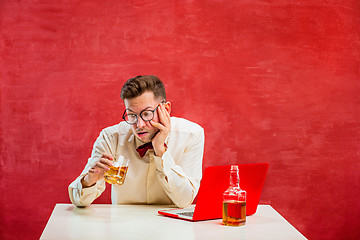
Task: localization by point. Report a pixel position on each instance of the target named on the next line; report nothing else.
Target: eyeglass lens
(146, 115)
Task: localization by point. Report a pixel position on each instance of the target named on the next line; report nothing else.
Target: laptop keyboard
(188, 214)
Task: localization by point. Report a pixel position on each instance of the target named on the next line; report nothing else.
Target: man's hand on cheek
(164, 127)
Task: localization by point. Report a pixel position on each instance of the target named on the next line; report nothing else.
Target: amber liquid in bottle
(234, 213)
(234, 201)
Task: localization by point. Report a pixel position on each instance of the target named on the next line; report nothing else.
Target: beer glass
(117, 173)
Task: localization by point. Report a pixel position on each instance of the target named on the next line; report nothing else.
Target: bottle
(234, 201)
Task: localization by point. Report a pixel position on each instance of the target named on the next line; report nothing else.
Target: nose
(140, 123)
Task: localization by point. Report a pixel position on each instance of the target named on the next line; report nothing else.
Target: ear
(167, 106)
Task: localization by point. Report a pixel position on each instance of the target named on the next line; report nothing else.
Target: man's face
(143, 130)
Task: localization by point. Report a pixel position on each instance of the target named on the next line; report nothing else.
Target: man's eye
(146, 113)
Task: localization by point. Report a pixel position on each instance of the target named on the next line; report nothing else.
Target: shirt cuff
(81, 194)
(88, 190)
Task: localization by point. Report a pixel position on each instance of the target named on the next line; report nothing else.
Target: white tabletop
(103, 221)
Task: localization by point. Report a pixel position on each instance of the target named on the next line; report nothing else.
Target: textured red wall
(270, 81)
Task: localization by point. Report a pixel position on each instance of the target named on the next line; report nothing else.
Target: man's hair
(136, 86)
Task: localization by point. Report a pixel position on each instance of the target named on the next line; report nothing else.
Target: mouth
(142, 134)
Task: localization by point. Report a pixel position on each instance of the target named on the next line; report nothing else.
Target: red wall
(270, 81)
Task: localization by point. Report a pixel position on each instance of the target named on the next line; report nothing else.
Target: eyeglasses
(146, 115)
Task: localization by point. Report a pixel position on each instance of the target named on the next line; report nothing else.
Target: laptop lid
(214, 183)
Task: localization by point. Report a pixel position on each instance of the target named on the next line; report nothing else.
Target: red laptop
(214, 183)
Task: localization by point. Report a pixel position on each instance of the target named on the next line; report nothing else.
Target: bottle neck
(234, 178)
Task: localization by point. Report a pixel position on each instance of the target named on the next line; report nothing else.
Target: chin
(145, 140)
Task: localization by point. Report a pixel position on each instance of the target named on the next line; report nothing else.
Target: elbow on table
(75, 199)
(184, 201)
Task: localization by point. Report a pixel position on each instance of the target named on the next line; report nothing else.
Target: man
(170, 173)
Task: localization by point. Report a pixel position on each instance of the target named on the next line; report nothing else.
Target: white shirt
(173, 178)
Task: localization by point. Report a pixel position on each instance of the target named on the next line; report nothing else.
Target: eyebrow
(128, 109)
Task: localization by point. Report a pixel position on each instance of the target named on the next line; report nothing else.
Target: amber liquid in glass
(234, 213)
(116, 175)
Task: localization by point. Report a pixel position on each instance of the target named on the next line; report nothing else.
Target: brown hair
(136, 86)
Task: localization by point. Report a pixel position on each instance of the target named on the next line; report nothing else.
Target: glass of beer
(117, 173)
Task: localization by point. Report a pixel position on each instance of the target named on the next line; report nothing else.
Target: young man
(170, 173)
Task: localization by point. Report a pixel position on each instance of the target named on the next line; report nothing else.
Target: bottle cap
(234, 167)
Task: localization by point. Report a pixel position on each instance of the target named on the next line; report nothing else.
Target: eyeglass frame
(137, 118)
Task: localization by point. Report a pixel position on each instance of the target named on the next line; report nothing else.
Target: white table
(104, 221)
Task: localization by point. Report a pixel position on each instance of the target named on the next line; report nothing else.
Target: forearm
(88, 186)
(83, 190)
(180, 189)
(89, 180)
(180, 182)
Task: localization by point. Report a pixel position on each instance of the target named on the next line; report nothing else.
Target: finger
(165, 112)
(101, 166)
(157, 125)
(108, 156)
(159, 110)
(164, 115)
(106, 162)
(94, 170)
